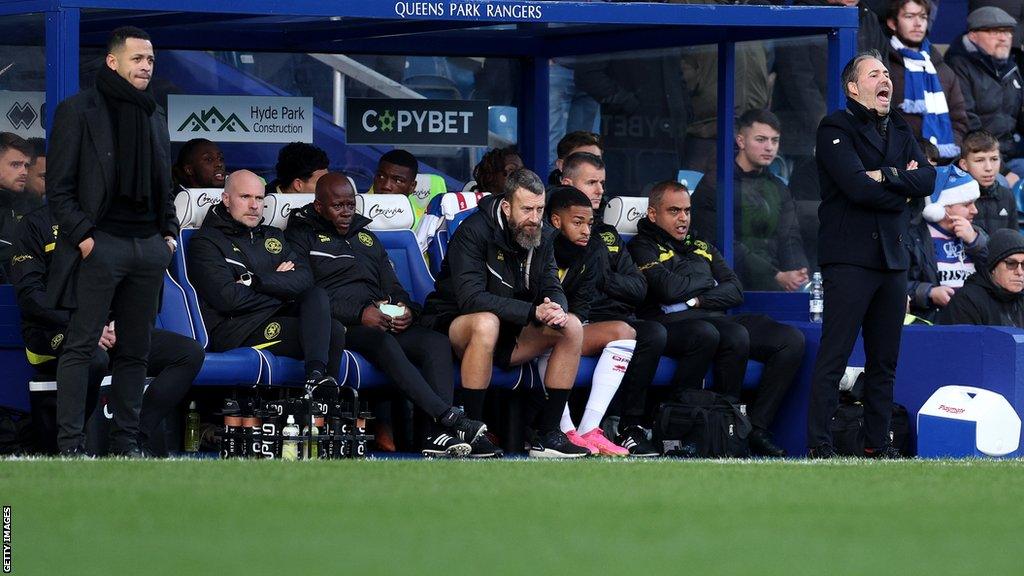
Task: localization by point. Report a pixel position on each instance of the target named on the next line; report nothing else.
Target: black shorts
(508, 336)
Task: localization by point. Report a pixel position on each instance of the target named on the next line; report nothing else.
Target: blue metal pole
(61, 58)
(533, 115)
(726, 108)
(842, 47)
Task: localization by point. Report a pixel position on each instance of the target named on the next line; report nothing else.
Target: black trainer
(316, 380)
(822, 452)
(634, 439)
(446, 445)
(467, 429)
(483, 447)
(887, 452)
(555, 444)
(761, 444)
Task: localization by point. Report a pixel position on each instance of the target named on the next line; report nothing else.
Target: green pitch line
(514, 517)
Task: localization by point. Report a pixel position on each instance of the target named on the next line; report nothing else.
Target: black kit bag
(701, 424)
(847, 424)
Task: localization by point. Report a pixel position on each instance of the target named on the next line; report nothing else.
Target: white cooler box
(959, 421)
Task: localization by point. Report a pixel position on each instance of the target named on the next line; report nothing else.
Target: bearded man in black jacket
(350, 263)
(255, 291)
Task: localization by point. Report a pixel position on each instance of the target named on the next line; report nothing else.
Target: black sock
(315, 366)
(551, 413)
(473, 402)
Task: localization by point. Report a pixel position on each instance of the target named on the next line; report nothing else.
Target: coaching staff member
(869, 166)
(109, 190)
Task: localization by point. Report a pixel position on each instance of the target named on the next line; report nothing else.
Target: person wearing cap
(995, 295)
(870, 169)
(990, 82)
(945, 246)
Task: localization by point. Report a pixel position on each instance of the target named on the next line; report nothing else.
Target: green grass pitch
(514, 517)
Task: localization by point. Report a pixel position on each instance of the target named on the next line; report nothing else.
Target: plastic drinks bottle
(290, 450)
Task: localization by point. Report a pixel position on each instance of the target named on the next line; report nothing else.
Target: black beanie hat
(1003, 243)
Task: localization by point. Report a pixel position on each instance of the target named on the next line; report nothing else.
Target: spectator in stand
(1015, 8)
(700, 71)
(801, 80)
(299, 166)
(690, 288)
(924, 87)
(994, 296)
(572, 143)
(36, 183)
(254, 290)
(351, 264)
(174, 360)
(997, 207)
(944, 245)
(499, 299)
(769, 249)
(200, 164)
(991, 83)
(496, 165)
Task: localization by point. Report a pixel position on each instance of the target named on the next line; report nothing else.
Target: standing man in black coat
(870, 167)
(109, 190)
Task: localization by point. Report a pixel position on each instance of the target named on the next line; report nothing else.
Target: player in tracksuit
(350, 263)
(620, 288)
(255, 291)
(174, 360)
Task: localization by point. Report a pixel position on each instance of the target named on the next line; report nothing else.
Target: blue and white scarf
(922, 94)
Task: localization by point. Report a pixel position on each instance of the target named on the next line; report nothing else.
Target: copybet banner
(23, 113)
(240, 118)
(408, 121)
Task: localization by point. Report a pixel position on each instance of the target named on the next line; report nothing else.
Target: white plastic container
(959, 421)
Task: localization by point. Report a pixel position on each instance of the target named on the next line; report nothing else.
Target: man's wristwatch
(246, 279)
(692, 302)
(172, 242)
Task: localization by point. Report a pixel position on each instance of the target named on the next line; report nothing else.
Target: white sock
(566, 423)
(611, 367)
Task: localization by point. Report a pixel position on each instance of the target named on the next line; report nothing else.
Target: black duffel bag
(848, 429)
(701, 424)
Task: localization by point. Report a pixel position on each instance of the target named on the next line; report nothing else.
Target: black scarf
(130, 110)
(881, 123)
(566, 252)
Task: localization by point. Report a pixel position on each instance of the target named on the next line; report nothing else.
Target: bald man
(254, 291)
(349, 262)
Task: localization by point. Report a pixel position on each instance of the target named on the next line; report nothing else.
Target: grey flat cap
(989, 17)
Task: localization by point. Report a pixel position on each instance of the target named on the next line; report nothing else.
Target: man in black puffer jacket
(350, 263)
(254, 291)
(499, 299)
(994, 295)
(989, 79)
(689, 289)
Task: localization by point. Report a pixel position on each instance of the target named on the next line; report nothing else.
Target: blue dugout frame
(534, 32)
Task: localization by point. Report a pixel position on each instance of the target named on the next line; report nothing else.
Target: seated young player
(254, 291)
(577, 258)
(350, 263)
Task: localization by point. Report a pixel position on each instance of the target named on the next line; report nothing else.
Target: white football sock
(611, 367)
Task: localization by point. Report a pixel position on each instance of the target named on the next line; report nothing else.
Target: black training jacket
(485, 271)
(621, 287)
(219, 253)
(577, 268)
(35, 239)
(678, 270)
(354, 269)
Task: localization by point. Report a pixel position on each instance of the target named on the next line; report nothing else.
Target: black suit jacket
(81, 179)
(864, 222)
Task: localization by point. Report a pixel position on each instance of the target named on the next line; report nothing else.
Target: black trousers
(742, 337)
(120, 281)
(418, 360)
(174, 362)
(631, 397)
(858, 299)
(304, 329)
